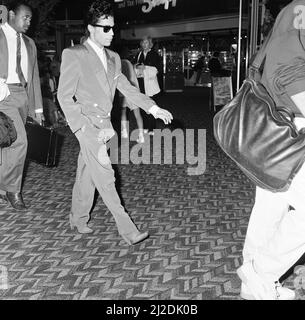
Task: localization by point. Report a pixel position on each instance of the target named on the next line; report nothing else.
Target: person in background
(147, 68)
(54, 71)
(216, 68)
(55, 68)
(199, 65)
(90, 74)
(19, 79)
(53, 84)
(50, 110)
(129, 72)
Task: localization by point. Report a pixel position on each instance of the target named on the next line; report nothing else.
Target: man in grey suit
(90, 75)
(20, 96)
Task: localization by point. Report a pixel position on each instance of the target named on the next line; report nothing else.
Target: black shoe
(16, 201)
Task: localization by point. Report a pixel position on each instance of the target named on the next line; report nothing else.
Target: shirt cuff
(153, 110)
(39, 111)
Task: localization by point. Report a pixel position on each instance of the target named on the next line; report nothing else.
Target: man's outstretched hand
(164, 115)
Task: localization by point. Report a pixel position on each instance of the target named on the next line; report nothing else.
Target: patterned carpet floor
(197, 225)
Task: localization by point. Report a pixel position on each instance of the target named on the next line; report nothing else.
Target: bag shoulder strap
(259, 59)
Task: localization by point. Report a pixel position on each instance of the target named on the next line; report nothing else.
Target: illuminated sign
(147, 5)
(3, 14)
(150, 4)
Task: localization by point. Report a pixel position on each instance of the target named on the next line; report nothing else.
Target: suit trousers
(13, 157)
(94, 171)
(275, 238)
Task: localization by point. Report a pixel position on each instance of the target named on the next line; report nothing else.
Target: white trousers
(275, 238)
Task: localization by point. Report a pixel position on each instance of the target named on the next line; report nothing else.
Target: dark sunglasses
(106, 29)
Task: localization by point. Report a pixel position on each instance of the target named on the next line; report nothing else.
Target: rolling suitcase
(43, 144)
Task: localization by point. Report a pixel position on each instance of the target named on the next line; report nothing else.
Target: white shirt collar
(10, 30)
(100, 52)
(95, 47)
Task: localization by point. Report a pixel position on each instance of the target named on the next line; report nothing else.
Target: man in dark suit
(20, 96)
(90, 75)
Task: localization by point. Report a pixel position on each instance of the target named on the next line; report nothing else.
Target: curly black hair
(16, 5)
(98, 9)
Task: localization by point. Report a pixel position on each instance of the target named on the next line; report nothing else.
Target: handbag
(8, 133)
(259, 137)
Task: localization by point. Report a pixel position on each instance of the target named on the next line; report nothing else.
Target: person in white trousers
(275, 238)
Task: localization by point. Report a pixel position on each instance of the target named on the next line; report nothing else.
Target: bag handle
(286, 113)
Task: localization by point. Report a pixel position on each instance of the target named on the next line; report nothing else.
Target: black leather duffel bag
(8, 133)
(259, 137)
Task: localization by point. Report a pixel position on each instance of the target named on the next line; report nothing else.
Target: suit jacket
(33, 86)
(86, 91)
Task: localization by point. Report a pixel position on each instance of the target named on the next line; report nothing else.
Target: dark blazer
(152, 59)
(216, 68)
(33, 87)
